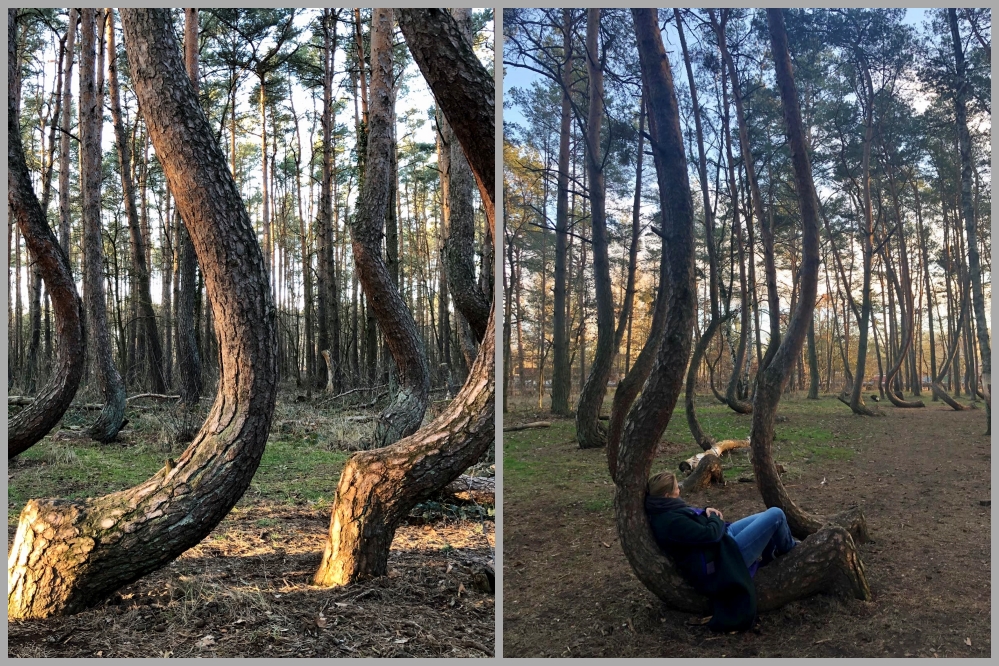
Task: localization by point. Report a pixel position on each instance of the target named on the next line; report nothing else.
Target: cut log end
(707, 472)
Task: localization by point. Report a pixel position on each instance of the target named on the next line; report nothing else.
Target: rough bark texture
(771, 381)
(111, 418)
(789, 577)
(459, 239)
(462, 87)
(561, 367)
(968, 212)
(70, 555)
(140, 271)
(652, 410)
(34, 421)
(378, 488)
(404, 414)
(589, 431)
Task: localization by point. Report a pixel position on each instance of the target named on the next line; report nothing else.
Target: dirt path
(920, 475)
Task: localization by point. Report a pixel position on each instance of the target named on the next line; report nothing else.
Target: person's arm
(685, 529)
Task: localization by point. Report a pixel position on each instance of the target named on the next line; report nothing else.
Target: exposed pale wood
(479, 489)
(718, 449)
(527, 426)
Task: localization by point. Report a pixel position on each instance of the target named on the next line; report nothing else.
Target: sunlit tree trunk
(69, 555)
(378, 488)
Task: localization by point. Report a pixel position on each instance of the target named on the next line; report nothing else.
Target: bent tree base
(70, 555)
(378, 488)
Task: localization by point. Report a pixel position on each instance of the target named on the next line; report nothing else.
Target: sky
(517, 77)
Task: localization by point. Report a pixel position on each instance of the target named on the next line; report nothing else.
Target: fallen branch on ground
(528, 426)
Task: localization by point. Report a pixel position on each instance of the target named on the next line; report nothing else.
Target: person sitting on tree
(717, 558)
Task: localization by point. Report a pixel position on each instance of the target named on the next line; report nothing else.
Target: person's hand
(714, 512)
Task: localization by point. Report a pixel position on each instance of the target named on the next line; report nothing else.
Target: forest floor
(922, 477)
(246, 589)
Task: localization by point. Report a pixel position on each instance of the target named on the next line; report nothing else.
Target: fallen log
(527, 426)
(707, 472)
(688, 465)
(478, 489)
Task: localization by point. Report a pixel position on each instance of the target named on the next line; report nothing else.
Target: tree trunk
(67, 101)
(378, 488)
(188, 357)
(856, 397)
(827, 561)
(70, 555)
(968, 210)
(589, 432)
(91, 118)
(404, 415)
(561, 368)
(139, 265)
(34, 421)
(459, 218)
(813, 363)
(771, 381)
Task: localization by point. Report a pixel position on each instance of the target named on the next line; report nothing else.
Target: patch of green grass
(598, 505)
(291, 471)
(297, 470)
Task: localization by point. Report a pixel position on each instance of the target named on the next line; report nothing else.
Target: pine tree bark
(112, 416)
(139, 263)
(378, 488)
(590, 433)
(37, 419)
(968, 211)
(459, 239)
(69, 555)
(403, 416)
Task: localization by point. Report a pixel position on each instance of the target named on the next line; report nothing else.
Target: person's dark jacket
(707, 557)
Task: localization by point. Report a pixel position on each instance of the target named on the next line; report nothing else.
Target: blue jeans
(761, 533)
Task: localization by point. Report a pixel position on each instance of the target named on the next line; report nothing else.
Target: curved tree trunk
(968, 212)
(937, 384)
(378, 488)
(590, 433)
(703, 440)
(70, 555)
(857, 395)
(771, 381)
(404, 414)
(34, 421)
(139, 264)
(112, 417)
(827, 561)
(459, 239)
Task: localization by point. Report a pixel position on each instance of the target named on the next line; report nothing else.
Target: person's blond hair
(662, 484)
